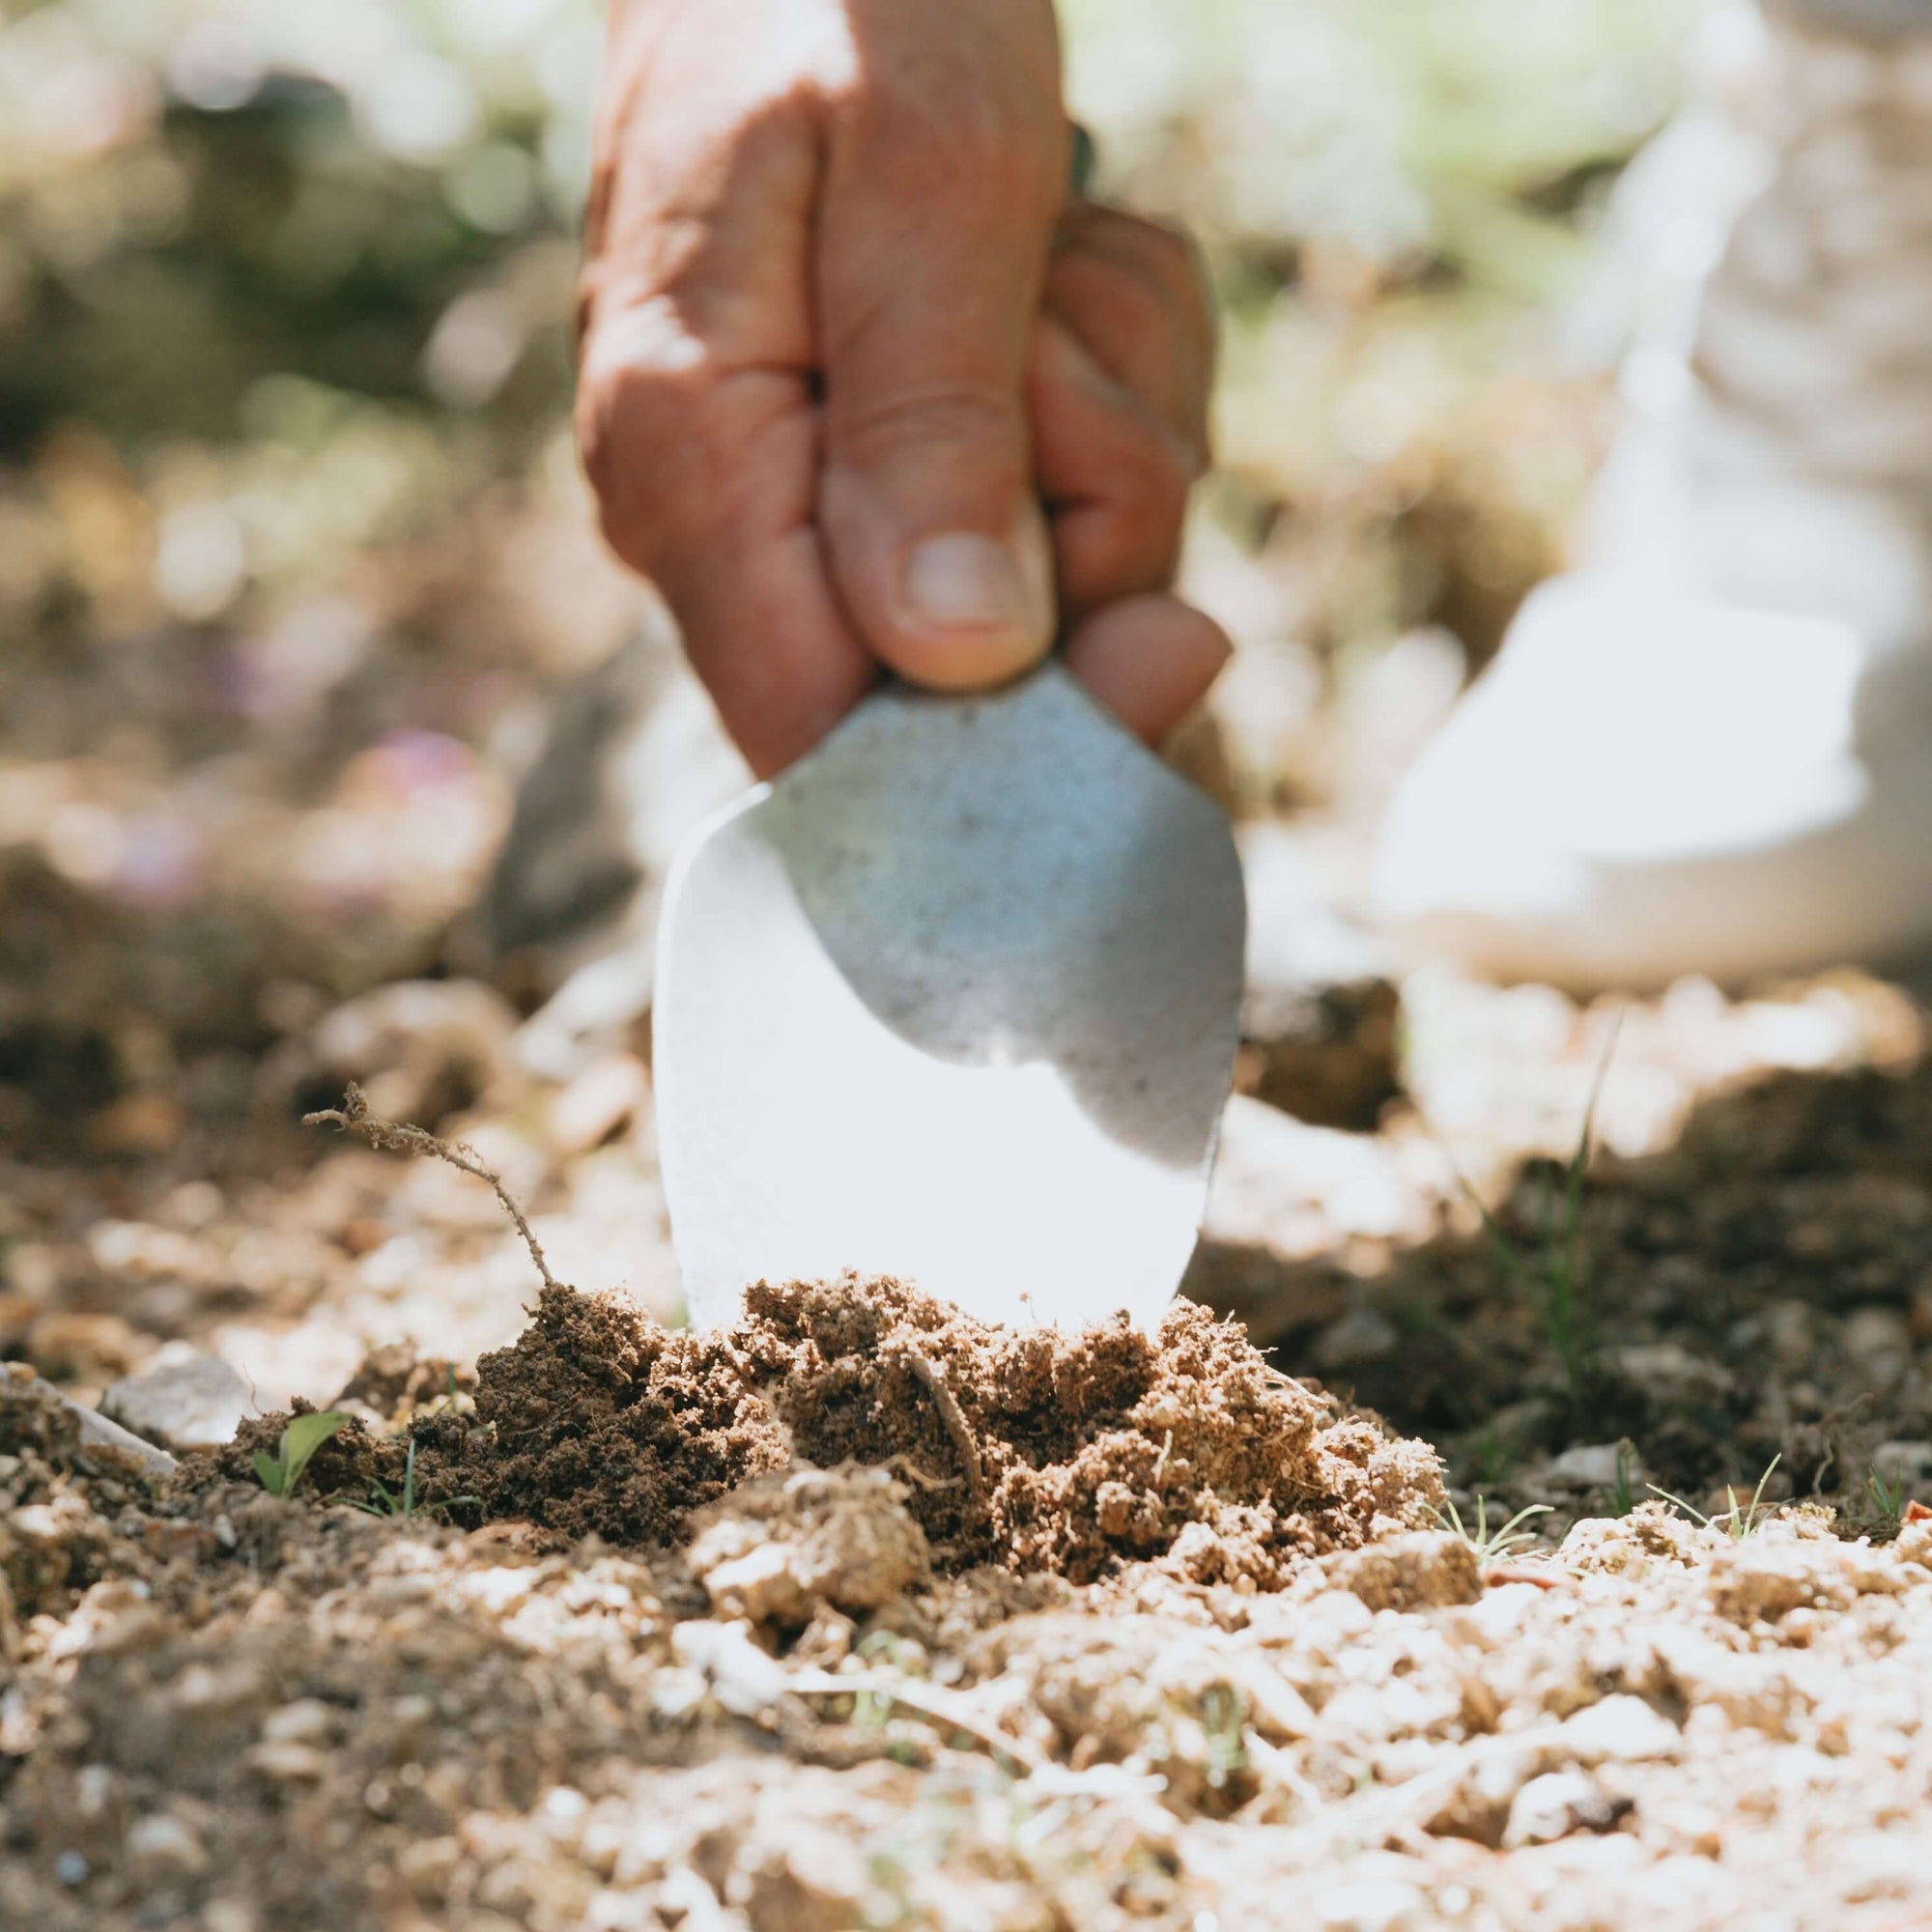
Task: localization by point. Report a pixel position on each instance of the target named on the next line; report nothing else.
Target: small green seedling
(1492, 1546)
(1741, 1520)
(385, 1502)
(890, 1648)
(300, 1439)
(1623, 1496)
(1554, 1276)
(1887, 1499)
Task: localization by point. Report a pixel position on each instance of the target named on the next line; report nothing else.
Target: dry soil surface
(864, 1615)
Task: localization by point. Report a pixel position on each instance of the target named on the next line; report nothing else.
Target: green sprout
(384, 1501)
(1553, 1276)
(1492, 1546)
(303, 1435)
(1622, 1497)
(1740, 1520)
(1887, 1499)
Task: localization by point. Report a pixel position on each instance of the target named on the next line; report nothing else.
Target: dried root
(353, 1116)
(952, 1416)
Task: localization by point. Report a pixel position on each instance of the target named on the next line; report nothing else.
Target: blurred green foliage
(1397, 200)
(197, 194)
(196, 198)
(283, 284)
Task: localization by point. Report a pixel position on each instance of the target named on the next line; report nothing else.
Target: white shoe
(1711, 752)
(1647, 786)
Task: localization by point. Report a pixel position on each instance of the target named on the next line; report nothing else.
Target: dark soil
(1039, 1452)
(1760, 1289)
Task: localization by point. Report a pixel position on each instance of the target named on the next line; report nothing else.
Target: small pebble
(1554, 1806)
(1620, 1731)
(161, 1846)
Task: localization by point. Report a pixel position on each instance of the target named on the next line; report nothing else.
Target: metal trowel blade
(956, 999)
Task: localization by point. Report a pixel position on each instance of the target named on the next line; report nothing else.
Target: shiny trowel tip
(954, 1000)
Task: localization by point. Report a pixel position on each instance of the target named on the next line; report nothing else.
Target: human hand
(861, 386)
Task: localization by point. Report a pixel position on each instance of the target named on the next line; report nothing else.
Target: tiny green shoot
(1492, 1546)
(1224, 1719)
(1740, 1520)
(1623, 1496)
(385, 1502)
(303, 1435)
(1887, 1499)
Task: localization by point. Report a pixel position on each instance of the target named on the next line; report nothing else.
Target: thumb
(933, 254)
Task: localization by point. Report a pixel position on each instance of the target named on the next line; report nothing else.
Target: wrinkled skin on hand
(863, 388)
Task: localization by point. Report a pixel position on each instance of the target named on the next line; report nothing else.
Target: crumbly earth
(280, 623)
(229, 1711)
(730, 1637)
(1039, 1452)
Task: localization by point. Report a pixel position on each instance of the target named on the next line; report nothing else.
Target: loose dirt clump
(54, 1541)
(599, 1420)
(394, 1382)
(1071, 1452)
(1426, 1570)
(775, 1550)
(1039, 1452)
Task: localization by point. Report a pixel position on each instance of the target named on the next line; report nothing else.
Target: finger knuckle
(1165, 259)
(980, 152)
(1153, 533)
(1151, 509)
(1130, 302)
(1175, 256)
(950, 414)
(635, 430)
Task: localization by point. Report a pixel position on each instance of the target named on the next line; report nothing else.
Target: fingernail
(964, 579)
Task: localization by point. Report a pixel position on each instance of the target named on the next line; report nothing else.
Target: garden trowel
(955, 999)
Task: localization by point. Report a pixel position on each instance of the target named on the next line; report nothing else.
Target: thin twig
(353, 1116)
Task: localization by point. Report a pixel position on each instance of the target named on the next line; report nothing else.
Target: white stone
(308, 1721)
(1595, 1466)
(1372, 1905)
(1620, 1730)
(161, 1846)
(1556, 1804)
(181, 1400)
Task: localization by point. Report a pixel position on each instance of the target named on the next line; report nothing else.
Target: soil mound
(1040, 1452)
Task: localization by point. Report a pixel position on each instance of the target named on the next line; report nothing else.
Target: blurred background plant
(293, 548)
(1398, 203)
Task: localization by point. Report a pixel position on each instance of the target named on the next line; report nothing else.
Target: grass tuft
(384, 1501)
(1491, 1545)
(1741, 1520)
(1888, 1501)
